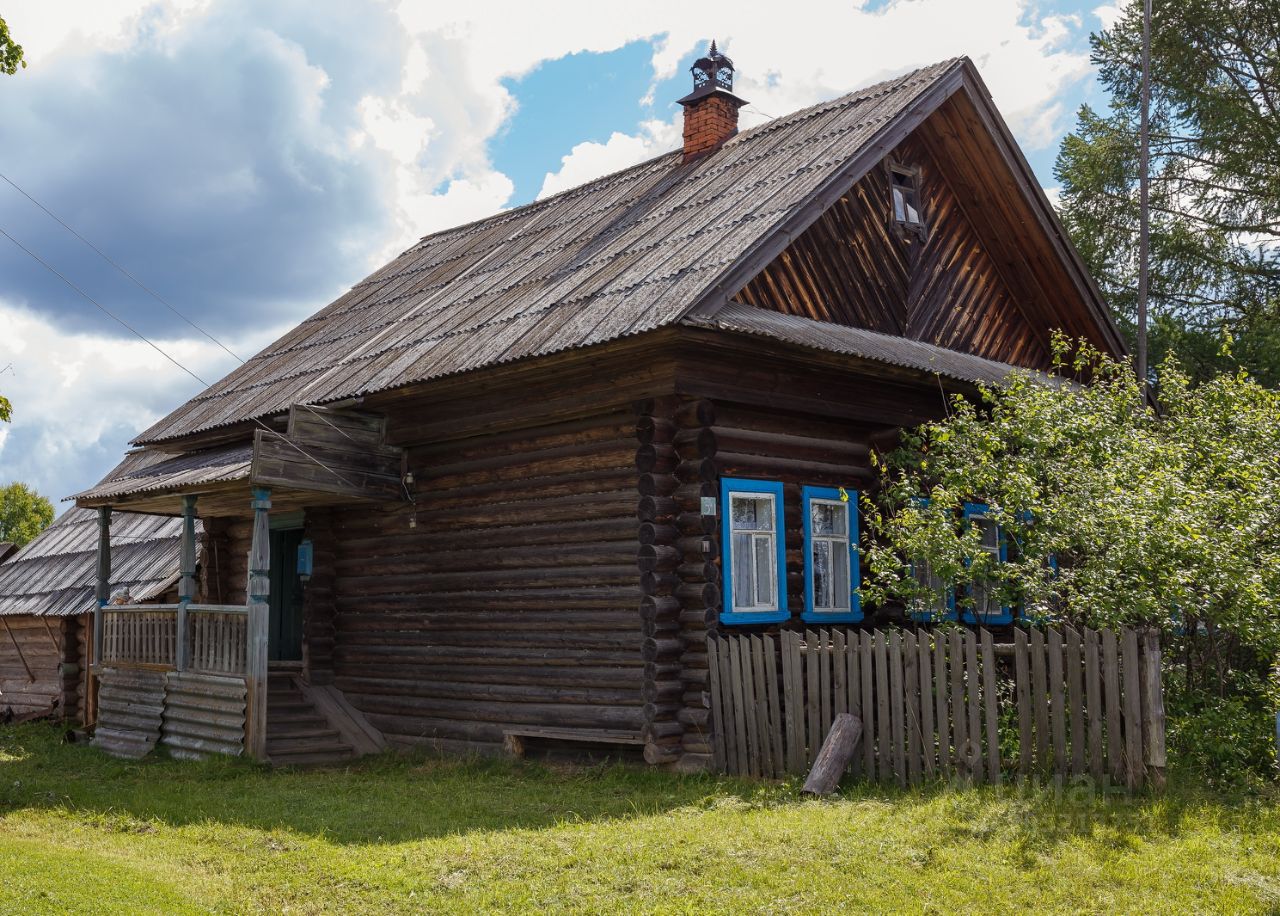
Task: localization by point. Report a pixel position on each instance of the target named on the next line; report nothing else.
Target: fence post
(1153, 693)
(259, 611)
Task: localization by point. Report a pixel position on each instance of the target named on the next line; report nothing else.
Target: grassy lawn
(80, 831)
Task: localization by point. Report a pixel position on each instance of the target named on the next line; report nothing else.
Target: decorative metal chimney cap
(712, 75)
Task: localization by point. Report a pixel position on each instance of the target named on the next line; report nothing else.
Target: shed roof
(55, 575)
(630, 252)
(857, 342)
(150, 472)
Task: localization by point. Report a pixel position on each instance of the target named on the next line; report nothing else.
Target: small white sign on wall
(708, 505)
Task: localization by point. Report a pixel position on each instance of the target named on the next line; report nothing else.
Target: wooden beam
(259, 592)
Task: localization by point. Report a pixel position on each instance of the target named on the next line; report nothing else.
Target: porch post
(187, 584)
(103, 593)
(259, 593)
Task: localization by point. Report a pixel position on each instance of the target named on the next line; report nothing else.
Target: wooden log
(656, 459)
(652, 533)
(659, 607)
(834, 757)
(695, 413)
(654, 430)
(662, 484)
(651, 557)
(661, 509)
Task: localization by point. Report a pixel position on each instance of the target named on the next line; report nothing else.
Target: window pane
(899, 203)
(990, 533)
(828, 518)
(764, 570)
(743, 571)
(840, 577)
(752, 513)
(913, 215)
(822, 574)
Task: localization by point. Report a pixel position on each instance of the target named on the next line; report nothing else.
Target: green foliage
(81, 832)
(1215, 189)
(6, 409)
(1170, 520)
(10, 52)
(24, 513)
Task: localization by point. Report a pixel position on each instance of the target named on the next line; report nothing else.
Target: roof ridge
(840, 101)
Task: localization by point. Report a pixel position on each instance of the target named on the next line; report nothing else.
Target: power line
(100, 307)
(106, 311)
(102, 254)
(63, 223)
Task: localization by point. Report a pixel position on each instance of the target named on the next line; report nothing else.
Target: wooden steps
(299, 734)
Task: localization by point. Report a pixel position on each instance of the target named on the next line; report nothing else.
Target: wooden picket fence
(1087, 703)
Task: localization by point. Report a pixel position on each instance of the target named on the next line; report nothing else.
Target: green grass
(82, 832)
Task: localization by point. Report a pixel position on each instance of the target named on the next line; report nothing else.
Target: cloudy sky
(249, 161)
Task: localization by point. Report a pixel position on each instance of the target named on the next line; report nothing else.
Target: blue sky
(251, 161)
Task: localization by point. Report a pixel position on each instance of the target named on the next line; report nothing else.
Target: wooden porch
(197, 678)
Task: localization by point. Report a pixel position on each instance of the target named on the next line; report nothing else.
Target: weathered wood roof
(55, 574)
(145, 472)
(628, 253)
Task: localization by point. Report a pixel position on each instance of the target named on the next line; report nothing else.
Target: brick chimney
(711, 110)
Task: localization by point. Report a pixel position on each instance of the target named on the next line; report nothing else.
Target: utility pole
(1144, 216)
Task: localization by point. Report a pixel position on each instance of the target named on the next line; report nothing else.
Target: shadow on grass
(389, 798)
(401, 798)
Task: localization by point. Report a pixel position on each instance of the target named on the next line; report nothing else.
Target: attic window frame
(893, 168)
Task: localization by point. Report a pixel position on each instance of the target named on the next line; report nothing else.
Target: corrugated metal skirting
(204, 714)
(130, 708)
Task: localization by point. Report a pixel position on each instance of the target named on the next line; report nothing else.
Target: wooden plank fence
(1087, 703)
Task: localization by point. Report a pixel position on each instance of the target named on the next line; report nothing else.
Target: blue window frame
(754, 553)
(995, 543)
(832, 571)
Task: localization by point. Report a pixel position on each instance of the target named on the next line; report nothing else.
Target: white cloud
(590, 160)
(1108, 15)
(381, 115)
(78, 398)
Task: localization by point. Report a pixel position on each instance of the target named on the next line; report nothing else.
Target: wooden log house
(501, 490)
(47, 600)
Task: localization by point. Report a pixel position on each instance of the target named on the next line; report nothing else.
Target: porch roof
(158, 472)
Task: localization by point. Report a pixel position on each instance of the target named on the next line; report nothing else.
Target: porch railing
(140, 635)
(214, 637)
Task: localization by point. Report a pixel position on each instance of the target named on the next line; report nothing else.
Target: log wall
(508, 596)
(33, 677)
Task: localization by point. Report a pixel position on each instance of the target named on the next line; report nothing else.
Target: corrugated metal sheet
(204, 714)
(871, 345)
(55, 575)
(627, 253)
(220, 465)
(130, 709)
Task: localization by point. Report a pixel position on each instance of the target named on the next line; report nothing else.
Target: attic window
(903, 184)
